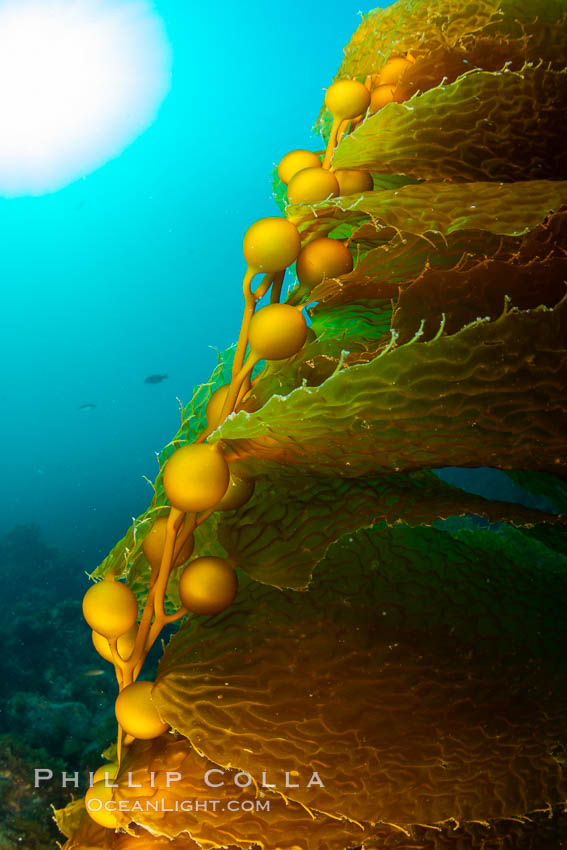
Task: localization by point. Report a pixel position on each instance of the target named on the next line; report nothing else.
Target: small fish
(155, 379)
(95, 672)
(87, 406)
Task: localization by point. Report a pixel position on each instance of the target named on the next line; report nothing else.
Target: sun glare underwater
(82, 80)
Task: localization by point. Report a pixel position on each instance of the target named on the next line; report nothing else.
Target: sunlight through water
(79, 81)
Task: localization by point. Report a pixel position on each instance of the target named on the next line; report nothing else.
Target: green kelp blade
(493, 587)
(483, 126)
(553, 540)
(492, 394)
(354, 323)
(335, 333)
(542, 484)
(69, 819)
(290, 523)
(400, 721)
(506, 209)
(80, 830)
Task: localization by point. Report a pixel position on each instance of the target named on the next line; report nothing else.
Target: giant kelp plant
(369, 657)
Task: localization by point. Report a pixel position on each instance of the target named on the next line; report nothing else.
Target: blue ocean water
(136, 268)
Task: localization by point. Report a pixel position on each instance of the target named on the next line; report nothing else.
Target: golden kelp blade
(293, 681)
(462, 131)
(266, 819)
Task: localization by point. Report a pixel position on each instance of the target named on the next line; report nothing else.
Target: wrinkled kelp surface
(400, 636)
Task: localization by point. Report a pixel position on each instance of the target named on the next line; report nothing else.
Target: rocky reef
(49, 696)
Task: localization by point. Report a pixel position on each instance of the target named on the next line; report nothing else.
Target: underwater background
(89, 272)
(120, 289)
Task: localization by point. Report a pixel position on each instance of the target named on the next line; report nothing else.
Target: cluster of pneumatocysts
(197, 478)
